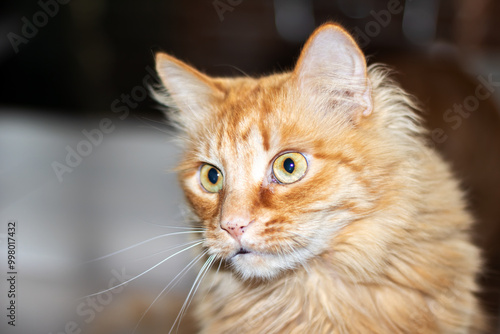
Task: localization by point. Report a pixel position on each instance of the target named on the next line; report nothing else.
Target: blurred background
(85, 154)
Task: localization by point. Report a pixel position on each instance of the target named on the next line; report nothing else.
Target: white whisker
(213, 281)
(216, 272)
(144, 272)
(177, 227)
(211, 261)
(138, 244)
(166, 250)
(169, 286)
(192, 291)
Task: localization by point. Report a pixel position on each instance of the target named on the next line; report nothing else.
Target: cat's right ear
(333, 68)
(186, 90)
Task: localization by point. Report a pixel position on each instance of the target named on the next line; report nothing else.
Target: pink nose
(236, 227)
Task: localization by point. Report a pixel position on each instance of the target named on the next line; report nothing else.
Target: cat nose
(235, 227)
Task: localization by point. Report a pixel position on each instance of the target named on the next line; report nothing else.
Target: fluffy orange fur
(374, 238)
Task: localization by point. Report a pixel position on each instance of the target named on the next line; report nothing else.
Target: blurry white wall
(120, 194)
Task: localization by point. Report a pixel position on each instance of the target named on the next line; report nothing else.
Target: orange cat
(320, 196)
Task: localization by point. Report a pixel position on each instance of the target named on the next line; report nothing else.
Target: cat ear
(332, 65)
(185, 89)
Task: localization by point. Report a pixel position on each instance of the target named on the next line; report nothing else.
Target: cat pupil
(213, 175)
(288, 165)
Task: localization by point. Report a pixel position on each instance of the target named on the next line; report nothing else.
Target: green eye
(289, 167)
(211, 178)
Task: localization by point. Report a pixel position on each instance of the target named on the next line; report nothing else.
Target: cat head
(275, 168)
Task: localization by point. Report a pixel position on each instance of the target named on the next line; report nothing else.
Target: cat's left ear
(333, 66)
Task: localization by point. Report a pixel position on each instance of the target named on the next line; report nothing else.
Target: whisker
(216, 272)
(192, 291)
(211, 260)
(190, 265)
(138, 244)
(143, 273)
(166, 250)
(213, 281)
(174, 281)
(177, 227)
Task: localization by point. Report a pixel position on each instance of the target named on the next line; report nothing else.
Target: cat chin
(262, 266)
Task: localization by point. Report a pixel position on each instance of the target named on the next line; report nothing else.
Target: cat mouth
(242, 251)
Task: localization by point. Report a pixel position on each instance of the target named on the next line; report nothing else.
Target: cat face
(274, 168)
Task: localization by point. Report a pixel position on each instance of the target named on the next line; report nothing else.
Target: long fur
(374, 238)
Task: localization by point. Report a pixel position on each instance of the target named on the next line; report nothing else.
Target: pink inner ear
(331, 48)
(332, 60)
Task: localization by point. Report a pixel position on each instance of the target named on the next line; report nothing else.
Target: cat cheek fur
(283, 236)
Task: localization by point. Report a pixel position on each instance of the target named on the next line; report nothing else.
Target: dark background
(90, 52)
(74, 62)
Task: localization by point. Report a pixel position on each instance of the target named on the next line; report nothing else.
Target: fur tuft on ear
(332, 66)
(186, 91)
